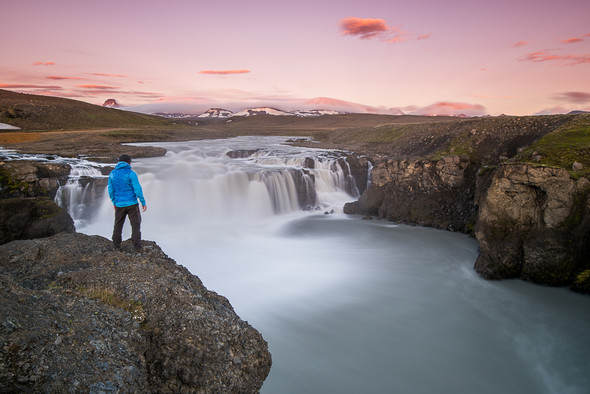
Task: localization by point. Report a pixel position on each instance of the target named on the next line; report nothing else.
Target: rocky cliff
(27, 210)
(529, 212)
(78, 316)
(534, 224)
(429, 193)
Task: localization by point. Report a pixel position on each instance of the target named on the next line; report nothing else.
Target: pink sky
(425, 56)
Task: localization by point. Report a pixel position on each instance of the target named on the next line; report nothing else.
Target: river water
(348, 305)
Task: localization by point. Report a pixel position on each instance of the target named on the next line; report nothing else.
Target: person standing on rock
(124, 191)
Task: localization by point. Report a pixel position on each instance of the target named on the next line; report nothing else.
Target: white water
(352, 306)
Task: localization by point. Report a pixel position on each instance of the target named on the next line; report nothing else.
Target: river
(348, 305)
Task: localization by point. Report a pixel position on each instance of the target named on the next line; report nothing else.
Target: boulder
(28, 218)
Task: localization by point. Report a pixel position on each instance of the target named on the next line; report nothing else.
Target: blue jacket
(124, 187)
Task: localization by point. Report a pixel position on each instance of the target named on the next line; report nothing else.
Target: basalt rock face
(78, 316)
(534, 224)
(26, 207)
(429, 193)
(28, 218)
(24, 178)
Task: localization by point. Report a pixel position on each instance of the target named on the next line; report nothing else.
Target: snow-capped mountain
(173, 115)
(111, 103)
(225, 113)
(216, 113)
(316, 112)
(262, 111)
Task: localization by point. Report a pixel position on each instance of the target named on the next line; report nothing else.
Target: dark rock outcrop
(25, 178)
(28, 218)
(78, 316)
(534, 224)
(429, 193)
(26, 207)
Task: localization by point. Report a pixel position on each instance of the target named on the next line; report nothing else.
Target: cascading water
(83, 191)
(349, 305)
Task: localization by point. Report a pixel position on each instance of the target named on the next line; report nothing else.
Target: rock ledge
(79, 316)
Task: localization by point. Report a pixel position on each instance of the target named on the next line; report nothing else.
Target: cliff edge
(79, 316)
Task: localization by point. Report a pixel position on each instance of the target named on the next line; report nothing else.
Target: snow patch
(6, 126)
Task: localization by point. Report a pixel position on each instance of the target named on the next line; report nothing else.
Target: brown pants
(134, 218)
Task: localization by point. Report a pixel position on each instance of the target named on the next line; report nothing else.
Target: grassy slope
(43, 113)
(563, 147)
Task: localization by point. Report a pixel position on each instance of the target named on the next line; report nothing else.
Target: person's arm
(137, 189)
(111, 191)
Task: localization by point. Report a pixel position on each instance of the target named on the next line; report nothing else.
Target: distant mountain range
(220, 113)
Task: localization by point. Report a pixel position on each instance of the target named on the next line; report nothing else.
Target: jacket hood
(122, 164)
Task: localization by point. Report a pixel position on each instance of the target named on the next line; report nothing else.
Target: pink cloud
(58, 78)
(21, 86)
(44, 64)
(108, 75)
(575, 97)
(366, 28)
(520, 44)
(547, 55)
(370, 28)
(101, 87)
(224, 72)
(572, 40)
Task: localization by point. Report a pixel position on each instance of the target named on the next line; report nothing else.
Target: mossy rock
(582, 282)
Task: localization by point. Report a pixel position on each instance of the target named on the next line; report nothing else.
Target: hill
(41, 113)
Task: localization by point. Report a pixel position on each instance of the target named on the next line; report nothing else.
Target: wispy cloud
(23, 86)
(548, 55)
(224, 72)
(373, 28)
(44, 64)
(108, 75)
(572, 40)
(520, 44)
(101, 87)
(574, 97)
(59, 78)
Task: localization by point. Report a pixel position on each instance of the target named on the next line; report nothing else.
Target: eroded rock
(534, 224)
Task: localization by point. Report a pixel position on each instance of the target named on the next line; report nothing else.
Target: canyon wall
(532, 222)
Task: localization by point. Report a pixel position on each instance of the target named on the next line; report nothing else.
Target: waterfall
(83, 191)
(243, 177)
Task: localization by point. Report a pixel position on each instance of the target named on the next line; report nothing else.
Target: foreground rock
(78, 316)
